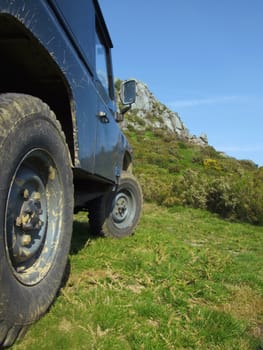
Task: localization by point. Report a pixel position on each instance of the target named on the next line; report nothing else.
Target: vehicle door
(108, 134)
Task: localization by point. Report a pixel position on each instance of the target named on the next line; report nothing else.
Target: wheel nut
(24, 252)
(26, 194)
(18, 221)
(25, 240)
(36, 196)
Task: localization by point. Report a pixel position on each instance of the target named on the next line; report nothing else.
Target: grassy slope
(186, 280)
(173, 172)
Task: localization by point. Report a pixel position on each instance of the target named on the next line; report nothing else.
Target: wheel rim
(124, 209)
(33, 217)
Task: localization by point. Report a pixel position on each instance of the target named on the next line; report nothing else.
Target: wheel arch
(127, 162)
(27, 67)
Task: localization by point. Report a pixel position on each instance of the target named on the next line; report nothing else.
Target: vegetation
(186, 280)
(173, 172)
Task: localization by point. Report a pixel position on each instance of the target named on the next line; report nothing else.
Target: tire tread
(11, 106)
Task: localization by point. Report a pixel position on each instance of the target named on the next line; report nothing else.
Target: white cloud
(243, 149)
(253, 152)
(204, 101)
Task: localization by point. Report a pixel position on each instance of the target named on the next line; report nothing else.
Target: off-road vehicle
(61, 148)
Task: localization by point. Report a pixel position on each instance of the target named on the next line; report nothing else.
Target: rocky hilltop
(148, 112)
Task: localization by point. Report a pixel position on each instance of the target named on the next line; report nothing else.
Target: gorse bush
(221, 198)
(173, 172)
(212, 164)
(249, 191)
(191, 188)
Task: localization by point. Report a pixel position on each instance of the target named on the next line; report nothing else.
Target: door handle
(103, 117)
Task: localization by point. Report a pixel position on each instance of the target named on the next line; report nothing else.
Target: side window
(101, 63)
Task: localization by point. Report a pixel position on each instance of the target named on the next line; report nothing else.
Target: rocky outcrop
(148, 112)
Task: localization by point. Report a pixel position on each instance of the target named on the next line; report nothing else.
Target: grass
(173, 172)
(185, 280)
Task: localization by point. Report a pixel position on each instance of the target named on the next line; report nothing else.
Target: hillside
(176, 168)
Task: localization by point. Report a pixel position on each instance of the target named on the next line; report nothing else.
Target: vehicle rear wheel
(36, 206)
(117, 214)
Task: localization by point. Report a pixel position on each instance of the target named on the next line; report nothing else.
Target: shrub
(212, 164)
(174, 172)
(249, 190)
(190, 187)
(221, 197)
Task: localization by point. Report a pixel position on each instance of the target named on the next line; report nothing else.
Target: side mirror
(127, 96)
(128, 92)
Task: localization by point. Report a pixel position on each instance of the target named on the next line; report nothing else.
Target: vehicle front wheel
(36, 206)
(117, 214)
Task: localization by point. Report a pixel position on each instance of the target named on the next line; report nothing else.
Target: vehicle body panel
(59, 26)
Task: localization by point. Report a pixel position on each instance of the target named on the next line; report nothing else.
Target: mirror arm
(125, 109)
(120, 115)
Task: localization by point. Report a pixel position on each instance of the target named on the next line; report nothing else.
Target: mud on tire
(36, 206)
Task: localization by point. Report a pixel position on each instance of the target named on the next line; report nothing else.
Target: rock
(147, 112)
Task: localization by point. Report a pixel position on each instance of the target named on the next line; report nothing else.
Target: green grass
(173, 172)
(185, 280)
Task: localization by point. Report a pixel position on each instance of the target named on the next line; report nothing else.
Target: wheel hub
(121, 207)
(33, 204)
(27, 226)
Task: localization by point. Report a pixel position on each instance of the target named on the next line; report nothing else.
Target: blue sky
(202, 58)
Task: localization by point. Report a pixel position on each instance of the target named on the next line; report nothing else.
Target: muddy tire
(36, 206)
(117, 214)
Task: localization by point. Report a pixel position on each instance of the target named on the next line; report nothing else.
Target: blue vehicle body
(60, 51)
